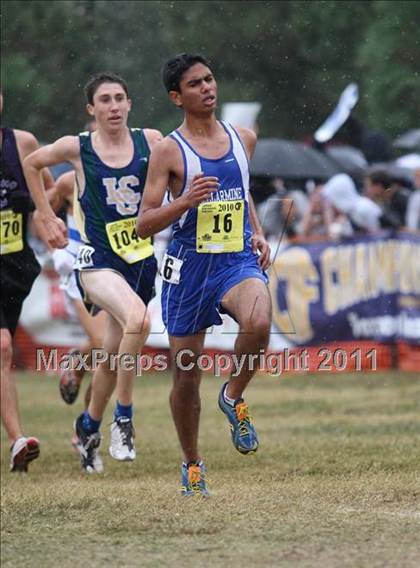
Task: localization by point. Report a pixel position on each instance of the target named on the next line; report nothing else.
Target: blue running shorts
(195, 284)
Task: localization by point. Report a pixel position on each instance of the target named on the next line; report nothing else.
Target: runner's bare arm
(27, 143)
(62, 194)
(65, 149)
(152, 136)
(253, 217)
(37, 227)
(59, 196)
(258, 239)
(152, 216)
(249, 139)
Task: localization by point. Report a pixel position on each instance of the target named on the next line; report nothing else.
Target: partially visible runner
(18, 270)
(94, 325)
(115, 269)
(212, 264)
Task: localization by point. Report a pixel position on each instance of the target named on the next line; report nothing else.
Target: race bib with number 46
(220, 226)
(84, 257)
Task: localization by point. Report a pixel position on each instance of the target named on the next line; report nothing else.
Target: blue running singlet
(211, 248)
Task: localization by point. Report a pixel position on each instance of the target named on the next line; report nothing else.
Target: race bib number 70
(11, 232)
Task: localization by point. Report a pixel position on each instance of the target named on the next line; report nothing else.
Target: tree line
(295, 57)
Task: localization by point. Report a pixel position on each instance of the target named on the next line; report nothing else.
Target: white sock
(228, 400)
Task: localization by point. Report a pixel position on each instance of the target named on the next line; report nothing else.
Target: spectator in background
(318, 215)
(412, 220)
(413, 210)
(392, 198)
(282, 209)
(374, 144)
(294, 205)
(269, 210)
(357, 213)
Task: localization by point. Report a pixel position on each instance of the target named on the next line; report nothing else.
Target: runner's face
(198, 90)
(110, 106)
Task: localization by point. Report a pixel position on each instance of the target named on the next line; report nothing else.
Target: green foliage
(293, 56)
(390, 57)
(330, 34)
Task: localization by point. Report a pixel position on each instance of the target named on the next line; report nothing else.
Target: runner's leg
(9, 399)
(185, 395)
(109, 290)
(250, 304)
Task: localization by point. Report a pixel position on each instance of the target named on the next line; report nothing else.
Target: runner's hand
(54, 230)
(200, 189)
(260, 244)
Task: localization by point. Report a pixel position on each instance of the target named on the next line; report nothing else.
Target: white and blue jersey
(211, 247)
(64, 260)
(232, 170)
(75, 238)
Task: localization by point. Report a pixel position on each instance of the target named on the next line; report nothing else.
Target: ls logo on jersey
(121, 194)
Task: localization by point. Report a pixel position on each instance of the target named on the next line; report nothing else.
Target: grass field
(336, 481)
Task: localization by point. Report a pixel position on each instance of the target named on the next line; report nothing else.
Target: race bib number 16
(220, 226)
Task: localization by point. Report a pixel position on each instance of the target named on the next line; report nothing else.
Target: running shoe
(87, 445)
(244, 436)
(69, 385)
(121, 446)
(193, 479)
(23, 451)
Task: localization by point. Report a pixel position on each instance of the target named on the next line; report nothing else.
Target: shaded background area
(292, 56)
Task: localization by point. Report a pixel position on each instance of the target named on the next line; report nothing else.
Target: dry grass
(335, 483)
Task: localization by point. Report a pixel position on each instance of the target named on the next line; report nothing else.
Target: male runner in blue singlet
(211, 265)
(116, 270)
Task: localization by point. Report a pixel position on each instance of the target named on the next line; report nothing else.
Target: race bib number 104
(126, 243)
